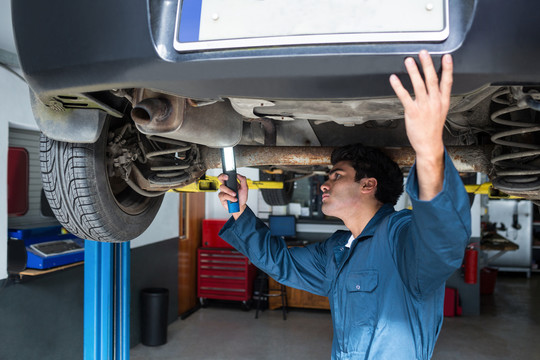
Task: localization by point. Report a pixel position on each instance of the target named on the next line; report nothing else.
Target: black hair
(370, 162)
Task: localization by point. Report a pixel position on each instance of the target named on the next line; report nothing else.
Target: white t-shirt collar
(351, 239)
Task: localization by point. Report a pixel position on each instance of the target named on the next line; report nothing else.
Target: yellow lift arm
(487, 189)
(211, 183)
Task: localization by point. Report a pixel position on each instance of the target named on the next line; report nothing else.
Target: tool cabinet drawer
(224, 274)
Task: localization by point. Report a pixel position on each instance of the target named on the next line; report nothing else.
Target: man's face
(340, 192)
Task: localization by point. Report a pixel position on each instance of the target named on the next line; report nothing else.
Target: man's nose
(325, 187)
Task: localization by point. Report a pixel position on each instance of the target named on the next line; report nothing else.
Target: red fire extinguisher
(470, 265)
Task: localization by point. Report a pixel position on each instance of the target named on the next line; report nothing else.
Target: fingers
(419, 87)
(222, 178)
(431, 85)
(223, 188)
(432, 81)
(226, 194)
(402, 94)
(224, 197)
(243, 181)
(446, 77)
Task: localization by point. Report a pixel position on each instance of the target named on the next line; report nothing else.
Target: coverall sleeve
(431, 245)
(299, 267)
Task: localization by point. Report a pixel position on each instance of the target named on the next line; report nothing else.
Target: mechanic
(385, 277)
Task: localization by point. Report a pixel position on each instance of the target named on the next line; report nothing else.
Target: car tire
(277, 197)
(81, 195)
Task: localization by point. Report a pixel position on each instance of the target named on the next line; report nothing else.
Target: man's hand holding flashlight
(227, 194)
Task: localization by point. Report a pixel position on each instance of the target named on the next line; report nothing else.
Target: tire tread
(68, 168)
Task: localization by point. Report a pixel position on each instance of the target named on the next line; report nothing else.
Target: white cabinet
(514, 222)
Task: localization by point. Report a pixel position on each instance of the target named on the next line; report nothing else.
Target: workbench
(493, 241)
(296, 298)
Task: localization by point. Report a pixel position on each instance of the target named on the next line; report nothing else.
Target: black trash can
(154, 309)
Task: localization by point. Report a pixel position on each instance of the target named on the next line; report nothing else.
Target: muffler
(216, 125)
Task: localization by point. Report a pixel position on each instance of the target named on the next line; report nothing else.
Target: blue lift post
(106, 300)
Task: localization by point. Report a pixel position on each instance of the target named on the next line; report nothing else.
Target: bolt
(429, 6)
(215, 16)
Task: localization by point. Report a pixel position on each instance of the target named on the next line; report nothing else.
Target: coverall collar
(369, 230)
(341, 255)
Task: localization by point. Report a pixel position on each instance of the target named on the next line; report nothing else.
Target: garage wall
(15, 112)
(165, 225)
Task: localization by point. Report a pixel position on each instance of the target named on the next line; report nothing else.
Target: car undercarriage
(141, 116)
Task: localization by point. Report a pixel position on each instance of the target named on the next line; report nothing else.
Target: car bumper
(80, 47)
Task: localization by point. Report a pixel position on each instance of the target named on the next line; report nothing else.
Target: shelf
(36, 272)
(536, 247)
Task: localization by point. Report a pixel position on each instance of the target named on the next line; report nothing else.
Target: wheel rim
(126, 198)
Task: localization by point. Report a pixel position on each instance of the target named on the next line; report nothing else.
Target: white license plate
(224, 24)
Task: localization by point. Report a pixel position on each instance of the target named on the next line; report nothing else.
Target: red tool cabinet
(210, 237)
(224, 274)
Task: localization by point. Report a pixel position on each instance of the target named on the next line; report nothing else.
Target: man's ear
(369, 185)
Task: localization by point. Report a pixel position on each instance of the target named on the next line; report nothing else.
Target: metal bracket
(211, 184)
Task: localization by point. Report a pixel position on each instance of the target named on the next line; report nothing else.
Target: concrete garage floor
(508, 328)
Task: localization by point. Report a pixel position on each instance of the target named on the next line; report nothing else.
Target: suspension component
(151, 165)
(515, 158)
(176, 170)
(122, 151)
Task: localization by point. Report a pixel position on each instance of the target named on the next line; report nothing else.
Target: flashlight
(229, 168)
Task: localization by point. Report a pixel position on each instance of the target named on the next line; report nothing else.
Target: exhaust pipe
(151, 110)
(465, 158)
(168, 116)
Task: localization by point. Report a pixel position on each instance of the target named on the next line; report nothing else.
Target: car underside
(120, 104)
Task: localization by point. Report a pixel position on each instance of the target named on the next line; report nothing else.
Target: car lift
(106, 300)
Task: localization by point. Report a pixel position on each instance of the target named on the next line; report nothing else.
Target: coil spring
(514, 169)
(177, 172)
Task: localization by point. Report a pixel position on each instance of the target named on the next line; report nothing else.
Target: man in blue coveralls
(384, 277)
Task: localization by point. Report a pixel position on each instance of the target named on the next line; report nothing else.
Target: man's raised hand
(426, 113)
(425, 116)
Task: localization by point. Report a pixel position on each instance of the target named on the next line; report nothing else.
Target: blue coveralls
(386, 292)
